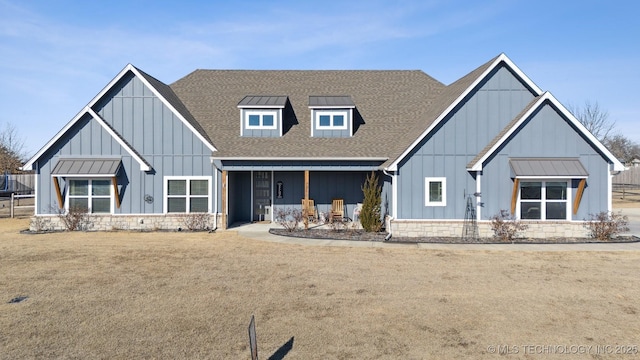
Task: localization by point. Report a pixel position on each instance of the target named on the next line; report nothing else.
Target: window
(94, 195)
(435, 191)
(263, 119)
(331, 120)
(187, 195)
(543, 200)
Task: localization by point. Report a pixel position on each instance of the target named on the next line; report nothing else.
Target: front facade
(243, 146)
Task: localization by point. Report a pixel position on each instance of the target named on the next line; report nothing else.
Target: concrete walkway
(260, 231)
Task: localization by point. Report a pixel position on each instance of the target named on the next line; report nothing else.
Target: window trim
(89, 197)
(261, 113)
(427, 201)
(187, 196)
(543, 200)
(331, 113)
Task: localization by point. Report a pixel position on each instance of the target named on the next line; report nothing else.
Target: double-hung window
(435, 191)
(543, 200)
(92, 195)
(331, 120)
(261, 119)
(187, 194)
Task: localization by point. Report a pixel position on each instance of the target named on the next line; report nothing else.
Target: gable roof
(387, 103)
(455, 93)
(144, 165)
(161, 90)
(477, 163)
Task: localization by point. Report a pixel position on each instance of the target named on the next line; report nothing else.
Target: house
(242, 145)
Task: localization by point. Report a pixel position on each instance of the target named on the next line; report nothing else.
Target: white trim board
(99, 96)
(547, 96)
(500, 59)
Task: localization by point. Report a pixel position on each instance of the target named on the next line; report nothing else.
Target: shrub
(76, 218)
(606, 225)
(288, 218)
(198, 221)
(505, 227)
(370, 212)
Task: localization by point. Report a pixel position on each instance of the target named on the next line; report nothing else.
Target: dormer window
(262, 116)
(331, 119)
(332, 116)
(261, 119)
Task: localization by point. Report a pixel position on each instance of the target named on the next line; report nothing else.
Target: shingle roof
(387, 104)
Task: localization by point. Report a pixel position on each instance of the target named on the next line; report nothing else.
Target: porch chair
(309, 210)
(337, 209)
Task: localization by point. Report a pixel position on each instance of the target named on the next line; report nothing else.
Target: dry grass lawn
(128, 295)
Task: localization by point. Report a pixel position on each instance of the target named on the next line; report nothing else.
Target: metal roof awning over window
(340, 101)
(548, 168)
(86, 167)
(261, 101)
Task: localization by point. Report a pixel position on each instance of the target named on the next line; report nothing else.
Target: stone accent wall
(536, 230)
(124, 222)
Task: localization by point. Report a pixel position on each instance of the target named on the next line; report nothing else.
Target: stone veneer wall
(121, 222)
(536, 230)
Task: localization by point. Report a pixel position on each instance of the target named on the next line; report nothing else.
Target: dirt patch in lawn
(128, 295)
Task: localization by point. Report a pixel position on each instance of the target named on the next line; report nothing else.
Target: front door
(261, 195)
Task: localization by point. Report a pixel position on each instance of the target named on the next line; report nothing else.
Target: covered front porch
(259, 193)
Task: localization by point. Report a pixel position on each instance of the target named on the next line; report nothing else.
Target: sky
(56, 55)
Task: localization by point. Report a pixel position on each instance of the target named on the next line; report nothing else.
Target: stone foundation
(536, 229)
(128, 222)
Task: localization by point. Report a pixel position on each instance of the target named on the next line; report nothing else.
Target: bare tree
(12, 152)
(594, 119)
(623, 148)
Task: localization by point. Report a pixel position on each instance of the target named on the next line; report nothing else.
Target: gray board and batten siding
(546, 134)
(459, 137)
(151, 128)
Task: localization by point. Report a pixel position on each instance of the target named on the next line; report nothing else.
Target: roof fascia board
(301, 158)
(53, 140)
(260, 106)
(617, 165)
(118, 77)
(144, 166)
(333, 107)
(502, 58)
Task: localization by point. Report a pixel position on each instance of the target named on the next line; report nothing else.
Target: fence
(15, 203)
(17, 183)
(628, 177)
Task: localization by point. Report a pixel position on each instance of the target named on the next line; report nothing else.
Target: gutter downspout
(389, 235)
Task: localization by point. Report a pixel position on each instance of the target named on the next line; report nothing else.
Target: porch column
(306, 197)
(224, 199)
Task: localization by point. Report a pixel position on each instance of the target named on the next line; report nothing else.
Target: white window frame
(332, 114)
(187, 196)
(261, 113)
(89, 197)
(543, 201)
(427, 198)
